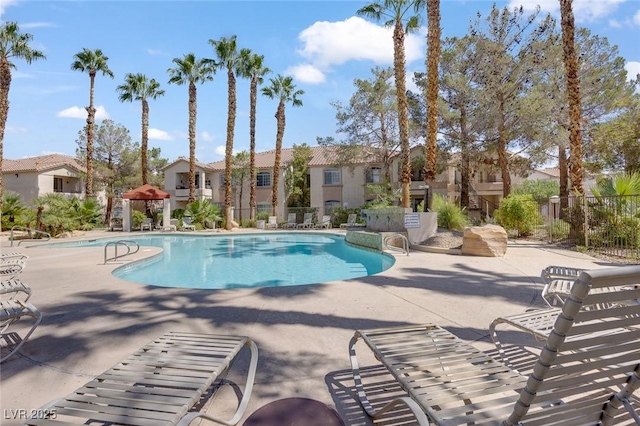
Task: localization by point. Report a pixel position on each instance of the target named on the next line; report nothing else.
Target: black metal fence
(608, 225)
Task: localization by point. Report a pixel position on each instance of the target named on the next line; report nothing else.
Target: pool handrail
(118, 243)
(405, 243)
(24, 228)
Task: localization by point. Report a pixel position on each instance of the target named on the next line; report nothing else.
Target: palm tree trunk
(5, 83)
(403, 115)
(253, 97)
(145, 139)
(192, 141)
(573, 92)
(433, 56)
(231, 120)
(91, 113)
(276, 166)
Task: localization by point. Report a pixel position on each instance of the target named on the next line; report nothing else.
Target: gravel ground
(445, 238)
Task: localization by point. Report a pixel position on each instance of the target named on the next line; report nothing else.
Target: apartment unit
(331, 186)
(36, 176)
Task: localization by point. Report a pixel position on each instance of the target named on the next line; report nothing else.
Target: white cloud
(633, 69)
(159, 135)
(584, 10)
(81, 113)
(207, 137)
(326, 44)
(6, 3)
(12, 129)
(157, 52)
(219, 150)
(636, 18)
(29, 25)
(306, 73)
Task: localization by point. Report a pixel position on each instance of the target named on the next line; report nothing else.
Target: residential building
(36, 176)
(330, 185)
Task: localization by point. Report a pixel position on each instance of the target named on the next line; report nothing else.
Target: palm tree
(433, 56)
(91, 62)
(138, 87)
(253, 69)
(191, 71)
(395, 12)
(283, 89)
(573, 91)
(230, 59)
(13, 44)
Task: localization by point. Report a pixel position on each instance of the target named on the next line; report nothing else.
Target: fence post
(585, 206)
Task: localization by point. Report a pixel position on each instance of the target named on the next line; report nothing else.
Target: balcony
(199, 193)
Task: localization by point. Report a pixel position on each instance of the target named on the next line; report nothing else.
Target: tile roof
(322, 156)
(40, 163)
(198, 164)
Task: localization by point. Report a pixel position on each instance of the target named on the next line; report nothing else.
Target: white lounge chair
(11, 267)
(187, 225)
(272, 223)
(10, 312)
(351, 222)
(160, 384)
(586, 373)
(307, 223)
(13, 287)
(325, 223)
(147, 224)
(13, 256)
(173, 225)
(291, 221)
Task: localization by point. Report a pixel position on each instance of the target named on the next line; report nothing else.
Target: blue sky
(322, 44)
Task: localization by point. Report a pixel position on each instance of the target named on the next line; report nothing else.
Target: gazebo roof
(146, 192)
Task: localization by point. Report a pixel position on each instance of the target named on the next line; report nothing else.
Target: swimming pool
(258, 260)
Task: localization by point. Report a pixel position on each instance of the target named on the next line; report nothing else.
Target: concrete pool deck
(92, 320)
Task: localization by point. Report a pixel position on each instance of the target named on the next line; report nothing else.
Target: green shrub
(248, 223)
(519, 213)
(450, 216)
(136, 218)
(560, 230)
(262, 216)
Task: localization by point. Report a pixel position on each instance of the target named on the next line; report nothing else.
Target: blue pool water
(236, 261)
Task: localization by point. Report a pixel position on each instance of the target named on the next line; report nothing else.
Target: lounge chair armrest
(242, 407)
(628, 405)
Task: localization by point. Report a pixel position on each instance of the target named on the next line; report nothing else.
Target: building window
(263, 208)
(263, 179)
(197, 180)
(330, 205)
(332, 177)
(57, 184)
(222, 176)
(374, 175)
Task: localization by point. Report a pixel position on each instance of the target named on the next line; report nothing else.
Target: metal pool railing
(405, 243)
(119, 243)
(29, 230)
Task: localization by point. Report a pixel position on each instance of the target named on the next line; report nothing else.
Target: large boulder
(488, 241)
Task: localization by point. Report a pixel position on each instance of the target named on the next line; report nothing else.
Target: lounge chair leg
(30, 311)
(251, 376)
(420, 416)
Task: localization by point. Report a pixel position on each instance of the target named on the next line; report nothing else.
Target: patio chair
(160, 384)
(187, 225)
(325, 223)
(582, 376)
(13, 256)
(173, 225)
(351, 222)
(12, 311)
(272, 223)
(291, 221)
(307, 222)
(147, 224)
(14, 287)
(11, 267)
(557, 283)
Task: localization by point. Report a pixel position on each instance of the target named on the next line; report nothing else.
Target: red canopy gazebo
(145, 193)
